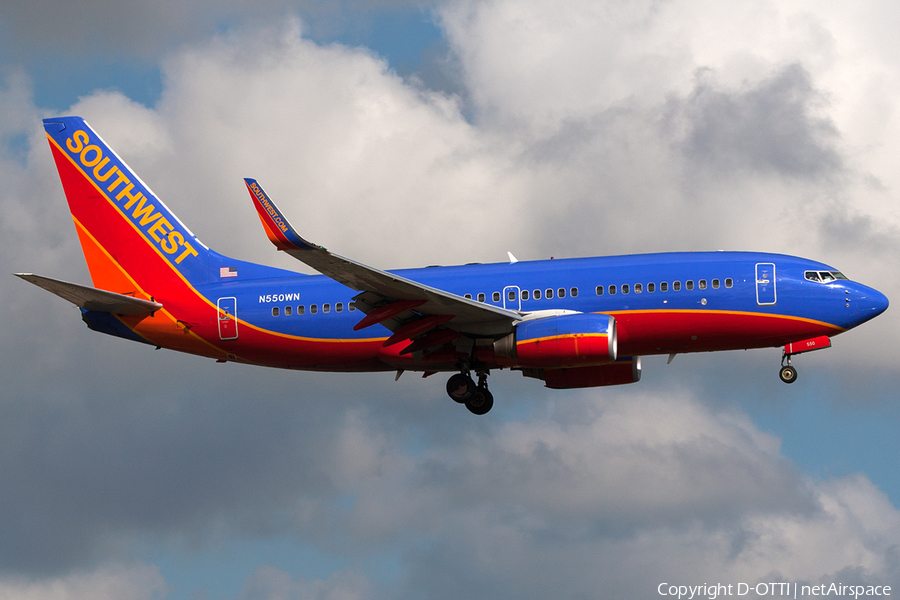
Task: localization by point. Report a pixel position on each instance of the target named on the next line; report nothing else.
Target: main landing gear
(462, 388)
(788, 374)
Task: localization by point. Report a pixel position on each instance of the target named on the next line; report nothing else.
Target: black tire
(460, 388)
(481, 403)
(788, 374)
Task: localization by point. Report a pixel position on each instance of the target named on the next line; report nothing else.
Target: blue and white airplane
(572, 323)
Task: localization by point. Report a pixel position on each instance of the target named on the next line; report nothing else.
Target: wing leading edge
(400, 304)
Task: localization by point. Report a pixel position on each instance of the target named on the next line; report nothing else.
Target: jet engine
(561, 341)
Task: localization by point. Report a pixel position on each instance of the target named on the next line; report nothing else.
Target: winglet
(274, 222)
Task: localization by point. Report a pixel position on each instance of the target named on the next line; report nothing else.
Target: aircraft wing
(386, 298)
(90, 298)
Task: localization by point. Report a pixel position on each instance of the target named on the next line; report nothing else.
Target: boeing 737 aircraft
(572, 323)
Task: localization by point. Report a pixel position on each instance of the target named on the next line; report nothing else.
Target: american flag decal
(228, 272)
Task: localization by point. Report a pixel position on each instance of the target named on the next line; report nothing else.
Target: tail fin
(131, 241)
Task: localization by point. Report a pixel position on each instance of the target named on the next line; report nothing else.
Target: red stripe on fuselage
(642, 333)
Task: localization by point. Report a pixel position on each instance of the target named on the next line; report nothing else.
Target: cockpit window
(824, 276)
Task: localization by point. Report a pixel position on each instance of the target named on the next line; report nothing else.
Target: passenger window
(548, 294)
(481, 297)
(676, 286)
(511, 295)
(326, 308)
(468, 296)
(561, 293)
(573, 292)
(301, 309)
(638, 288)
(352, 306)
(599, 290)
(537, 294)
(339, 307)
(702, 284)
(651, 287)
(313, 309)
(715, 284)
(625, 288)
(689, 284)
(612, 290)
(524, 294)
(496, 296)
(274, 311)
(729, 283)
(287, 311)
(664, 286)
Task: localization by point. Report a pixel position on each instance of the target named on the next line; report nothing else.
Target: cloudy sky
(404, 134)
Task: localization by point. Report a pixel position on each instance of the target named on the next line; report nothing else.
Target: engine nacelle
(618, 373)
(575, 340)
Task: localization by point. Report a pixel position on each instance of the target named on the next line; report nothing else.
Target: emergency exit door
(765, 284)
(512, 297)
(227, 318)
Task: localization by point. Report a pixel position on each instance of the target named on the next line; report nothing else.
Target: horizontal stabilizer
(90, 298)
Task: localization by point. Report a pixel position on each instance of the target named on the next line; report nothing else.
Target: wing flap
(90, 298)
(416, 328)
(388, 311)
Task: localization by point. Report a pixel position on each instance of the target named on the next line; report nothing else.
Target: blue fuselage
(663, 303)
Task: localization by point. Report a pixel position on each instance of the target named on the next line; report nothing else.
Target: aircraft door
(765, 284)
(512, 297)
(227, 318)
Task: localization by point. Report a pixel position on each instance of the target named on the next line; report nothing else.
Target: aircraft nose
(879, 303)
(870, 303)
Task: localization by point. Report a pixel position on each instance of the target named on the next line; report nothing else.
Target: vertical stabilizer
(131, 240)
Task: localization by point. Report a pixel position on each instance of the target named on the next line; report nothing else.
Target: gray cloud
(772, 127)
(149, 30)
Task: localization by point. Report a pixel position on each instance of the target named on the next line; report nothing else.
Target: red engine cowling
(578, 340)
(618, 373)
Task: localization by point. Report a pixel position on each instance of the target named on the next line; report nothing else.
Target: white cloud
(354, 155)
(131, 582)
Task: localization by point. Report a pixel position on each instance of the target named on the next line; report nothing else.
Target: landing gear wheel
(481, 402)
(788, 374)
(460, 388)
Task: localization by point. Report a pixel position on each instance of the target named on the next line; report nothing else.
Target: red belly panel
(643, 333)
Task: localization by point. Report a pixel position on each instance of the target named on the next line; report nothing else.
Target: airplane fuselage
(668, 303)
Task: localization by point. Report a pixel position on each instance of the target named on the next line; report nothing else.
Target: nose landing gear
(788, 374)
(462, 389)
